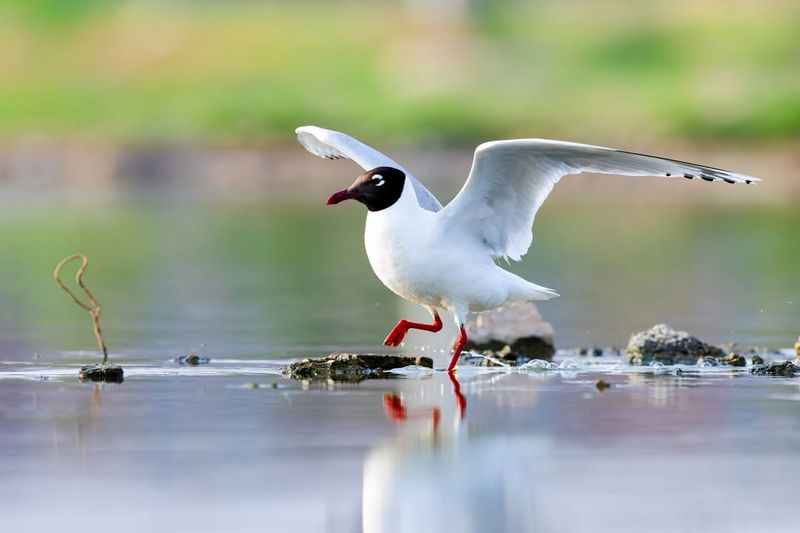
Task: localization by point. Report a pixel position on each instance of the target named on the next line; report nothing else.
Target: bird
(448, 258)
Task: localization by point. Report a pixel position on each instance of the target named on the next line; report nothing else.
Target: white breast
(417, 261)
(398, 244)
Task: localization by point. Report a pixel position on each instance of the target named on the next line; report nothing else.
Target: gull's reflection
(396, 410)
(461, 402)
(436, 477)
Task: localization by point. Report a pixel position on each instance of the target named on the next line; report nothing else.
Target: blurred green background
(455, 71)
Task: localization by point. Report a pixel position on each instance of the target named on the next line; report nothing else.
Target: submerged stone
(594, 351)
(351, 367)
(785, 369)
(732, 359)
(665, 345)
(518, 326)
(708, 361)
(107, 373)
(192, 360)
(602, 385)
(494, 358)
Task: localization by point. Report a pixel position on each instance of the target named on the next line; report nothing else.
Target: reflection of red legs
(395, 410)
(461, 402)
(393, 406)
(457, 347)
(399, 332)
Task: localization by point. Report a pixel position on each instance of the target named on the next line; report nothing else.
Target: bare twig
(93, 306)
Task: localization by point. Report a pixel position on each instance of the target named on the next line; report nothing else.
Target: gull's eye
(378, 179)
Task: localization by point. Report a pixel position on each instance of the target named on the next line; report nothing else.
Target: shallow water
(232, 446)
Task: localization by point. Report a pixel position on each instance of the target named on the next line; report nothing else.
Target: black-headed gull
(444, 257)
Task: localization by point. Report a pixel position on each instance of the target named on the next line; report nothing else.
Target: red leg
(457, 347)
(399, 332)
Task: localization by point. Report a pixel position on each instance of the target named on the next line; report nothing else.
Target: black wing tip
(691, 176)
(706, 177)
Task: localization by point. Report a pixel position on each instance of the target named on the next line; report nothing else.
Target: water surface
(235, 447)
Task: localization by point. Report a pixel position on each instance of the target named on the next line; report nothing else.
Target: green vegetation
(134, 71)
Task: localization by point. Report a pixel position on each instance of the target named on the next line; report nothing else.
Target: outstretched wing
(336, 145)
(510, 180)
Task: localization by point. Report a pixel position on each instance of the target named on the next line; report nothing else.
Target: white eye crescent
(379, 179)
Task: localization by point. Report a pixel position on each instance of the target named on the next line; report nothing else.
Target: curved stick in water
(93, 306)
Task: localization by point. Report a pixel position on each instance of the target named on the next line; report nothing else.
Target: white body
(443, 257)
(416, 260)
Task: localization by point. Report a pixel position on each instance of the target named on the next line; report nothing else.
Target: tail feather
(526, 291)
(541, 293)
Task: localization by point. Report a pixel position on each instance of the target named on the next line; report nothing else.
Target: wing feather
(510, 180)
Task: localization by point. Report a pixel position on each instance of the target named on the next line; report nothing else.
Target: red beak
(341, 196)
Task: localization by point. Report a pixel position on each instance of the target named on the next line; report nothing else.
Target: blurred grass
(238, 71)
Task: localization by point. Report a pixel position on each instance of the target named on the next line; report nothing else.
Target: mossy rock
(785, 369)
(665, 345)
(526, 347)
(107, 373)
(504, 356)
(351, 367)
(734, 359)
(518, 325)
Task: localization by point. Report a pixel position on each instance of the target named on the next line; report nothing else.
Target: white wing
(510, 180)
(335, 145)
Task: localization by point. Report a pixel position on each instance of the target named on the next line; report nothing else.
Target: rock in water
(785, 369)
(663, 344)
(708, 361)
(493, 358)
(602, 385)
(107, 373)
(734, 359)
(518, 326)
(192, 360)
(350, 366)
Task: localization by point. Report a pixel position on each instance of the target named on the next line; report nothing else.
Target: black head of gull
(377, 189)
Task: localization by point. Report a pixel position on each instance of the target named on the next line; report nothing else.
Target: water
(233, 446)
